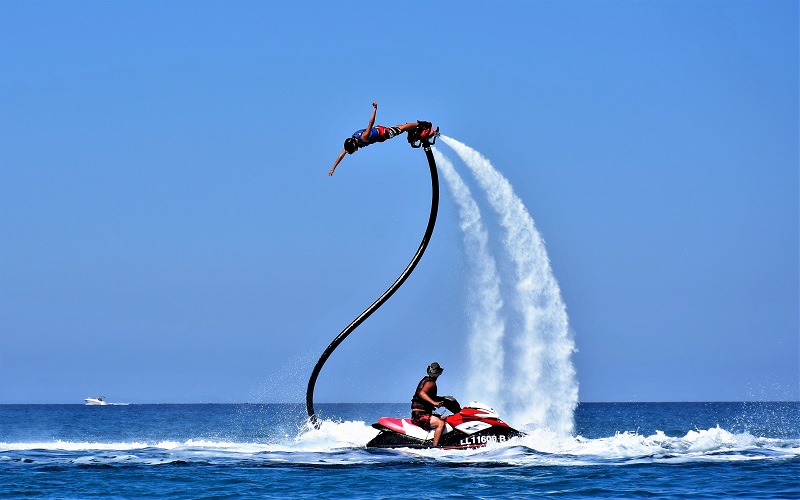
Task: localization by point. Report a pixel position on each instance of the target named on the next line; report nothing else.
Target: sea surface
(634, 450)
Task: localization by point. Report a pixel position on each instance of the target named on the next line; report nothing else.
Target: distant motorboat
(97, 400)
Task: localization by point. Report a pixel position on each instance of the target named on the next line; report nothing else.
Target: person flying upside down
(370, 135)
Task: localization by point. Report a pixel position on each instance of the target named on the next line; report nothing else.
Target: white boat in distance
(97, 400)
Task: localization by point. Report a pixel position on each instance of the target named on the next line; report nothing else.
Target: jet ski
(472, 426)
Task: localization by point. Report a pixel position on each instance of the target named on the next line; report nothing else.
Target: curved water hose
(388, 293)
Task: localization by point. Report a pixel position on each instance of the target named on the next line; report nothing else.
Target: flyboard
(423, 136)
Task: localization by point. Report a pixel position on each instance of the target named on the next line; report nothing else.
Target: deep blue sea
(654, 450)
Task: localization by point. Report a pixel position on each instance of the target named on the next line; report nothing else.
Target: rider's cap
(350, 145)
(434, 370)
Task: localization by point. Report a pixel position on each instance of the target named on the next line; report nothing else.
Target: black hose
(388, 293)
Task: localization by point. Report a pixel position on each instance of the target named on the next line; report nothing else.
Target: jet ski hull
(388, 438)
(470, 428)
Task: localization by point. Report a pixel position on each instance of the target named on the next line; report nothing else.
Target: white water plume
(487, 327)
(543, 390)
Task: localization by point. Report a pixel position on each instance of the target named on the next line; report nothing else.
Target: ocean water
(656, 450)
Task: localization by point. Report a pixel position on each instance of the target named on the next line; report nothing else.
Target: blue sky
(168, 231)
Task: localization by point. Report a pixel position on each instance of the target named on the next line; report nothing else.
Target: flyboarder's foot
(423, 132)
(429, 133)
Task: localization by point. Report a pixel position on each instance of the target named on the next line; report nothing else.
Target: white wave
(344, 443)
(331, 436)
(714, 443)
(334, 436)
(59, 445)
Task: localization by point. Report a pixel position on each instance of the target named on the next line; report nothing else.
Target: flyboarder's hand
(375, 104)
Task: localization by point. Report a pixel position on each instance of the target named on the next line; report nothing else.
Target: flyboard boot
(424, 133)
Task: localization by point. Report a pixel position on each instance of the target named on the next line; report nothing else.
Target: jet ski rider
(370, 135)
(425, 400)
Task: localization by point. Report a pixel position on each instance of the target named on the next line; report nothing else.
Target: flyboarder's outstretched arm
(365, 134)
(341, 155)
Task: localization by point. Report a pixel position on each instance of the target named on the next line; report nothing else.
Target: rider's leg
(437, 424)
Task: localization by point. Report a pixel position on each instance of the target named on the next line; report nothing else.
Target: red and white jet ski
(472, 426)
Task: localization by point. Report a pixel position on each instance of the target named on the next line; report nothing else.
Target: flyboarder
(378, 133)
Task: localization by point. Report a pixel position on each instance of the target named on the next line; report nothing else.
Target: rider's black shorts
(422, 420)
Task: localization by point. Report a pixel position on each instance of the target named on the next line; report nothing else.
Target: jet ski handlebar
(451, 405)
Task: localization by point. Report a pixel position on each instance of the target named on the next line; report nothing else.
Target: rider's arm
(424, 394)
(365, 134)
(341, 155)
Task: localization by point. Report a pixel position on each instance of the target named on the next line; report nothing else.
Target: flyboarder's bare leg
(405, 127)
